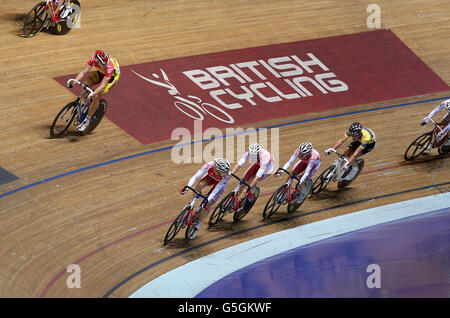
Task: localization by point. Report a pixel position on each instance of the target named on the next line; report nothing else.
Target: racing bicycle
(43, 15)
(187, 216)
(75, 112)
(232, 204)
(294, 198)
(335, 173)
(424, 143)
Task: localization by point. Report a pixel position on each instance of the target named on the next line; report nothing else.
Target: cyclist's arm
(290, 162)
(240, 163)
(83, 72)
(435, 111)
(340, 142)
(203, 170)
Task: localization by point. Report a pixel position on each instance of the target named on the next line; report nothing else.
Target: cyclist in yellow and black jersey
(363, 141)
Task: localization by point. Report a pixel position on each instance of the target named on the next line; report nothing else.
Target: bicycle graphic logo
(191, 106)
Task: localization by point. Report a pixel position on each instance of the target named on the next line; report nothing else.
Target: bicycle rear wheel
(322, 180)
(300, 197)
(176, 225)
(35, 20)
(97, 118)
(64, 26)
(223, 207)
(345, 183)
(418, 146)
(63, 120)
(275, 201)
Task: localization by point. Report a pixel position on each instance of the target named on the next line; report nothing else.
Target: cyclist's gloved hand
(423, 122)
(329, 151)
(277, 174)
(69, 84)
(346, 166)
(183, 192)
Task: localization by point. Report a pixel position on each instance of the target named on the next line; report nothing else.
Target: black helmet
(355, 128)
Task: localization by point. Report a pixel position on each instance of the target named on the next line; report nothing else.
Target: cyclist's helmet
(305, 148)
(253, 151)
(222, 165)
(355, 128)
(447, 105)
(101, 57)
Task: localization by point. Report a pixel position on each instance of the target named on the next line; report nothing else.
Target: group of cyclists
(217, 173)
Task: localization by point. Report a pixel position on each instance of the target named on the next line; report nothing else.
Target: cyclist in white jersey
(444, 124)
(260, 169)
(309, 162)
(214, 173)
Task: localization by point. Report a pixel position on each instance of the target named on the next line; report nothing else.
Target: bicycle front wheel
(275, 201)
(63, 120)
(219, 212)
(176, 225)
(418, 146)
(35, 20)
(322, 180)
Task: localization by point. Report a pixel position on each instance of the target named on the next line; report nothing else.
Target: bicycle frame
(189, 218)
(79, 109)
(55, 15)
(338, 166)
(289, 182)
(436, 126)
(236, 194)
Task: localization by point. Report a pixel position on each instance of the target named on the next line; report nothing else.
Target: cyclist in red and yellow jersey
(107, 75)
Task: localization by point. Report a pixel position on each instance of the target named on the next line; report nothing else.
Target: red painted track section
(262, 83)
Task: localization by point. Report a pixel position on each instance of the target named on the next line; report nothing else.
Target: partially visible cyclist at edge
(107, 75)
(363, 141)
(444, 124)
(216, 174)
(261, 167)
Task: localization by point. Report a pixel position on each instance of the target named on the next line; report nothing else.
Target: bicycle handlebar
(195, 191)
(91, 92)
(241, 180)
(340, 155)
(290, 174)
(439, 127)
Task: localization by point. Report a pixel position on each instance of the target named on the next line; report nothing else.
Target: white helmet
(253, 151)
(222, 165)
(305, 148)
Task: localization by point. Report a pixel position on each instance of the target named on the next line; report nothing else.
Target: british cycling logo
(253, 79)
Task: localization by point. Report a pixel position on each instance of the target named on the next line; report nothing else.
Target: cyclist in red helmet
(107, 75)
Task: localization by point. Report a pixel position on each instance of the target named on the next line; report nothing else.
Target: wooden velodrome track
(111, 220)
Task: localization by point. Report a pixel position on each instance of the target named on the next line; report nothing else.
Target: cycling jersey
(264, 162)
(218, 182)
(309, 165)
(111, 69)
(367, 138)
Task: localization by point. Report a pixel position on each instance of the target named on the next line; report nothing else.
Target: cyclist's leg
(249, 174)
(299, 168)
(94, 105)
(351, 148)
